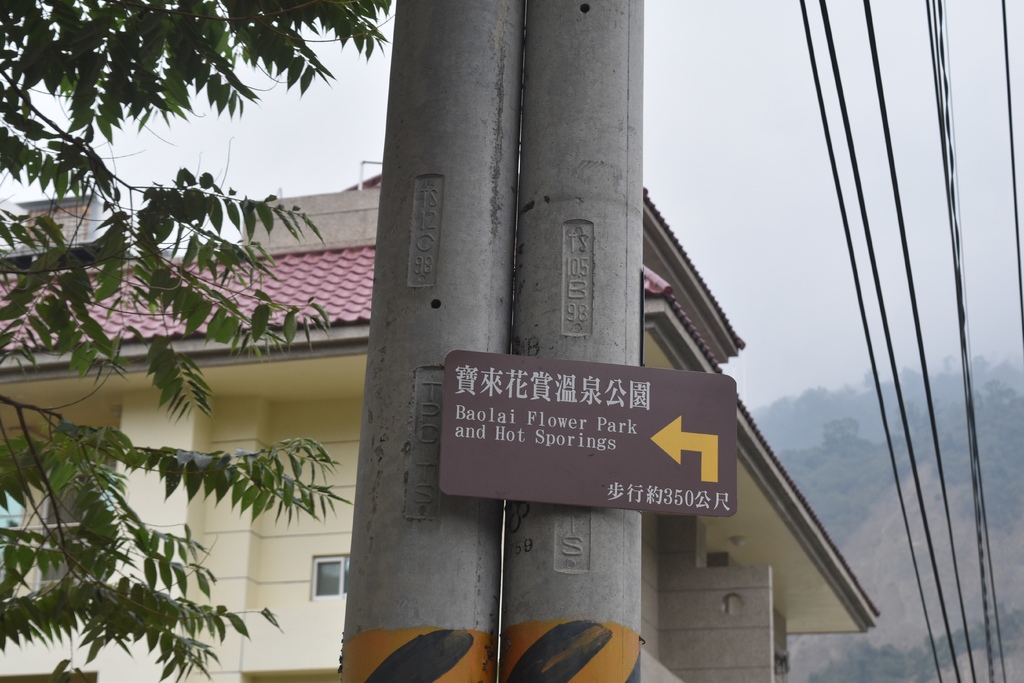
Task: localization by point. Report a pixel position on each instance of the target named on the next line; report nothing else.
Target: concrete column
(670, 544)
(716, 621)
(682, 543)
(717, 624)
(781, 634)
(424, 579)
(572, 603)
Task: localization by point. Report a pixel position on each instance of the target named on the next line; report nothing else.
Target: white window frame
(328, 559)
(57, 573)
(10, 520)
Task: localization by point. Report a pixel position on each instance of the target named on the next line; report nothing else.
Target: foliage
(796, 421)
(889, 664)
(843, 477)
(847, 477)
(81, 295)
(116, 579)
(886, 664)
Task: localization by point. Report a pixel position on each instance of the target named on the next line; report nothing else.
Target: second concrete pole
(572, 575)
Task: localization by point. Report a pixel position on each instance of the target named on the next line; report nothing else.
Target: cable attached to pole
(888, 339)
(944, 107)
(873, 44)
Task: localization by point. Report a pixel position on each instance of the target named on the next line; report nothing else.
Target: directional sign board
(590, 434)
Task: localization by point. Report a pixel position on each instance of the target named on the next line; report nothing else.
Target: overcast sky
(735, 160)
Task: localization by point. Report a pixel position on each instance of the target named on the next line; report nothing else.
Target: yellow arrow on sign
(672, 439)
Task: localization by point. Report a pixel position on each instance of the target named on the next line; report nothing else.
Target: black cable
(863, 318)
(917, 323)
(860, 295)
(1020, 285)
(1013, 172)
(945, 107)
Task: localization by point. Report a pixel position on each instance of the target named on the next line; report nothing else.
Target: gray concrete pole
(572, 575)
(425, 570)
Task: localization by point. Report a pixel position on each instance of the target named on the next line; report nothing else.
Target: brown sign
(591, 434)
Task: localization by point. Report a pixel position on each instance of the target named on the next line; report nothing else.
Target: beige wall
(269, 563)
(266, 564)
(146, 425)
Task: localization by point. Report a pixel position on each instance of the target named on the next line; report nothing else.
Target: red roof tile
(736, 339)
(339, 280)
(658, 286)
(654, 283)
(372, 183)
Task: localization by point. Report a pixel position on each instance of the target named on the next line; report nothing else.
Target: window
(10, 515)
(330, 576)
(10, 518)
(48, 521)
(14, 516)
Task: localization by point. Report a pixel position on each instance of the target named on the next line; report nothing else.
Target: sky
(735, 160)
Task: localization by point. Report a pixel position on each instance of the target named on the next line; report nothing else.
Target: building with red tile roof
(718, 592)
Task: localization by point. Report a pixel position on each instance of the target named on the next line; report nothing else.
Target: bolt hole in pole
(436, 303)
(584, 8)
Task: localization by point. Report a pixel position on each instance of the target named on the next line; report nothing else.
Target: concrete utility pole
(424, 580)
(572, 575)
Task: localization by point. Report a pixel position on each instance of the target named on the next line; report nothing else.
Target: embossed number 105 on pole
(577, 278)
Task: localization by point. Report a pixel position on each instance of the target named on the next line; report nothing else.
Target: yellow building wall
(146, 424)
(266, 564)
(269, 563)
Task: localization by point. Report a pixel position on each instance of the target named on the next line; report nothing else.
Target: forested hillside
(834, 446)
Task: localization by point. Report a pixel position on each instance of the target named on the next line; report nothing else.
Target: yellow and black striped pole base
(419, 655)
(570, 652)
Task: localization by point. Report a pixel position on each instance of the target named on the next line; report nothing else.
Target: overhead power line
(939, 58)
(885, 323)
(939, 44)
(1020, 271)
(1013, 173)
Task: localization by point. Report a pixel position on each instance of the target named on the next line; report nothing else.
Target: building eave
(345, 340)
(678, 345)
(664, 254)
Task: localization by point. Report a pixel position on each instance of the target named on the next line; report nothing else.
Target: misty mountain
(797, 421)
(833, 445)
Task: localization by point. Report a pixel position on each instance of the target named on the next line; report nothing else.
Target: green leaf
(249, 216)
(266, 216)
(238, 624)
(216, 215)
(94, 650)
(185, 178)
(233, 215)
(165, 575)
(269, 616)
(197, 316)
(290, 326)
(260, 317)
(204, 583)
(109, 66)
(150, 571)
